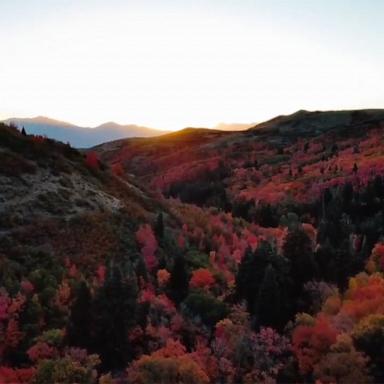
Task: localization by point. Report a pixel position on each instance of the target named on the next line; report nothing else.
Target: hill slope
(46, 184)
(199, 256)
(294, 154)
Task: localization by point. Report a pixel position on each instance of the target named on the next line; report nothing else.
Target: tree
(209, 309)
(23, 132)
(16, 375)
(78, 329)
(252, 274)
(268, 304)
(159, 226)
(113, 315)
(179, 280)
(170, 364)
(201, 278)
(298, 250)
(92, 160)
(148, 243)
(343, 364)
(310, 343)
(67, 369)
(368, 336)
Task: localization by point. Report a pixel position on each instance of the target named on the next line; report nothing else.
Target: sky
(171, 64)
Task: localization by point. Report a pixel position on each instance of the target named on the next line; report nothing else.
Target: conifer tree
(159, 226)
(114, 313)
(179, 280)
(78, 329)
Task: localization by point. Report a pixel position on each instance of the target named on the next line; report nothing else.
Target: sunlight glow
(172, 69)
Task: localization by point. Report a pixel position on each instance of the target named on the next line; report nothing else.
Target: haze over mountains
(82, 137)
(85, 137)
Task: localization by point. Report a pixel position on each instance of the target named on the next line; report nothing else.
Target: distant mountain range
(81, 137)
(85, 137)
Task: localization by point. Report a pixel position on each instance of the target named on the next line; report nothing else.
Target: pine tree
(252, 285)
(179, 280)
(23, 132)
(268, 303)
(250, 274)
(78, 329)
(114, 313)
(159, 226)
(298, 250)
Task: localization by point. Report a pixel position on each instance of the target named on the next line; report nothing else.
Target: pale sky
(170, 64)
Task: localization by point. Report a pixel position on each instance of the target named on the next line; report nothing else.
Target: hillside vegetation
(200, 256)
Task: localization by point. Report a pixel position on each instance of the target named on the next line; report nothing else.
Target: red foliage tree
(311, 342)
(148, 242)
(16, 375)
(201, 278)
(92, 160)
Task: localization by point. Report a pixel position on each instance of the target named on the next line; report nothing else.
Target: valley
(198, 256)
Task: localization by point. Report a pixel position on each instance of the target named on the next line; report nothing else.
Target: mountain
(81, 137)
(45, 183)
(316, 122)
(265, 155)
(199, 256)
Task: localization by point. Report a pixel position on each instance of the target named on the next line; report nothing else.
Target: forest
(196, 257)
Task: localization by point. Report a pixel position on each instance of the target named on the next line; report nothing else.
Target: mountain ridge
(78, 136)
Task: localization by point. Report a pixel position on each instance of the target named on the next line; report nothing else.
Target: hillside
(200, 256)
(49, 190)
(81, 137)
(286, 157)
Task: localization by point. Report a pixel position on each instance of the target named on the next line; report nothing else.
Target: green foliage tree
(209, 309)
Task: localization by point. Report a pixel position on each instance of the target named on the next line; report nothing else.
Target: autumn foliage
(253, 257)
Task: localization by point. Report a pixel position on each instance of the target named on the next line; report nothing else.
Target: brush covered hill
(289, 158)
(200, 256)
(58, 203)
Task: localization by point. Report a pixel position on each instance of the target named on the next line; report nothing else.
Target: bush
(209, 309)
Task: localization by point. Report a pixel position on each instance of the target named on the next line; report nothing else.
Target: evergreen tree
(159, 226)
(243, 276)
(298, 250)
(268, 304)
(78, 329)
(252, 285)
(179, 280)
(23, 132)
(379, 186)
(114, 313)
